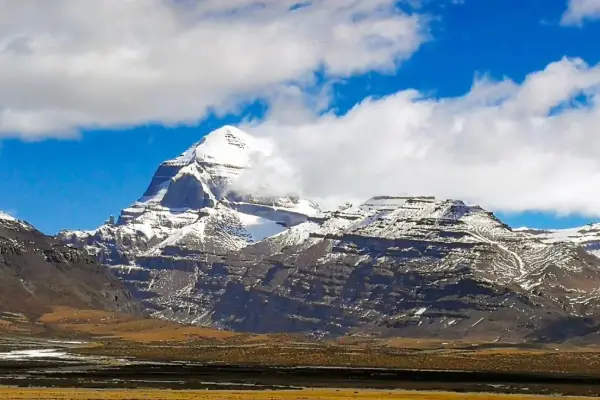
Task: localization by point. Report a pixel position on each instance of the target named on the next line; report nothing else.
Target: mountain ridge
(196, 251)
(37, 273)
(586, 236)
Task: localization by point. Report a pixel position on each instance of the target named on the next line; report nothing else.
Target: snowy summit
(191, 201)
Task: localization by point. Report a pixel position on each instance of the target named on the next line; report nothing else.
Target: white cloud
(579, 11)
(70, 64)
(506, 146)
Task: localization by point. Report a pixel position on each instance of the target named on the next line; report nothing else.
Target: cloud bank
(504, 145)
(581, 10)
(72, 64)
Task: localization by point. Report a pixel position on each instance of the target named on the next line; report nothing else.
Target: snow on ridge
(207, 170)
(260, 228)
(217, 163)
(303, 206)
(6, 217)
(198, 229)
(227, 146)
(240, 228)
(577, 235)
(158, 197)
(227, 227)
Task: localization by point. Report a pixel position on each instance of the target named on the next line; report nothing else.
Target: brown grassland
(101, 323)
(83, 394)
(125, 336)
(117, 335)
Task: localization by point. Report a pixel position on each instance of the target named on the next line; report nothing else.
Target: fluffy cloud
(71, 64)
(581, 10)
(504, 145)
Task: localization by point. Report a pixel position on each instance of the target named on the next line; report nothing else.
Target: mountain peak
(191, 200)
(227, 146)
(205, 172)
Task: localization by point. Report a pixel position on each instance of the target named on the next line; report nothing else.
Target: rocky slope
(196, 251)
(38, 272)
(191, 202)
(587, 236)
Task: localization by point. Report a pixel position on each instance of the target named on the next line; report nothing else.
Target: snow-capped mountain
(587, 236)
(191, 201)
(197, 251)
(419, 266)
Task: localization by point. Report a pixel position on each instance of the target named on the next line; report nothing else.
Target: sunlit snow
(35, 354)
(6, 217)
(260, 228)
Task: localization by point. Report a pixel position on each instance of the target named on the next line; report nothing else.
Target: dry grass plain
(121, 336)
(126, 327)
(81, 394)
(117, 335)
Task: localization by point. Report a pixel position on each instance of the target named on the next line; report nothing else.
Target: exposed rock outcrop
(38, 272)
(194, 250)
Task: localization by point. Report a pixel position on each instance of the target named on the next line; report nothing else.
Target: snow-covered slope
(449, 223)
(191, 202)
(7, 221)
(587, 236)
(410, 266)
(418, 266)
(6, 217)
(204, 173)
(198, 251)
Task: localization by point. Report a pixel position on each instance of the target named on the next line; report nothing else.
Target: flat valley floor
(110, 356)
(330, 394)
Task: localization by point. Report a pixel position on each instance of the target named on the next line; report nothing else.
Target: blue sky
(71, 181)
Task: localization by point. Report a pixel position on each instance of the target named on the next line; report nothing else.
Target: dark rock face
(162, 176)
(418, 268)
(187, 192)
(38, 272)
(195, 250)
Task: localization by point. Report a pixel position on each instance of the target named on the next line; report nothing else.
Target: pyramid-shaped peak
(228, 146)
(227, 136)
(228, 131)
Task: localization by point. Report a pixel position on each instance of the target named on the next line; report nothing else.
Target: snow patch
(35, 354)
(227, 146)
(420, 312)
(260, 228)
(6, 217)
